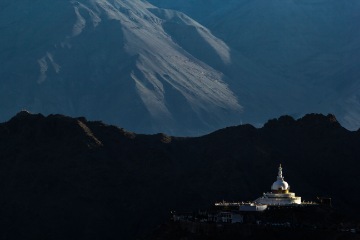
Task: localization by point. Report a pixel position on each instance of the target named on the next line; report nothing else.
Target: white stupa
(280, 193)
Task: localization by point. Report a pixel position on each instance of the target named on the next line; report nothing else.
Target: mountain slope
(313, 44)
(114, 60)
(69, 178)
(155, 70)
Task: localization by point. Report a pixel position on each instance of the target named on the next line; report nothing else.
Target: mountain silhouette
(69, 178)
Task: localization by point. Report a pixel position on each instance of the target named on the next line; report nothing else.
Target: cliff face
(64, 177)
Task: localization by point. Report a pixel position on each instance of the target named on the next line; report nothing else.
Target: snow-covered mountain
(150, 69)
(313, 44)
(123, 61)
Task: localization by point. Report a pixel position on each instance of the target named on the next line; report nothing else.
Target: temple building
(267, 209)
(280, 193)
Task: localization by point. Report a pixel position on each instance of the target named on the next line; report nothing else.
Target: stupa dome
(280, 183)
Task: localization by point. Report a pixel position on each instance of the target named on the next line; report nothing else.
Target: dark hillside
(67, 178)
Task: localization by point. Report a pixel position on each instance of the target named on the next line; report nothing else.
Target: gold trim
(280, 191)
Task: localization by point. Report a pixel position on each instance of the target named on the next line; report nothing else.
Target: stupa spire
(280, 176)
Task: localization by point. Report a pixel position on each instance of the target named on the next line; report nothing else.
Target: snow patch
(44, 67)
(95, 19)
(79, 24)
(55, 66)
